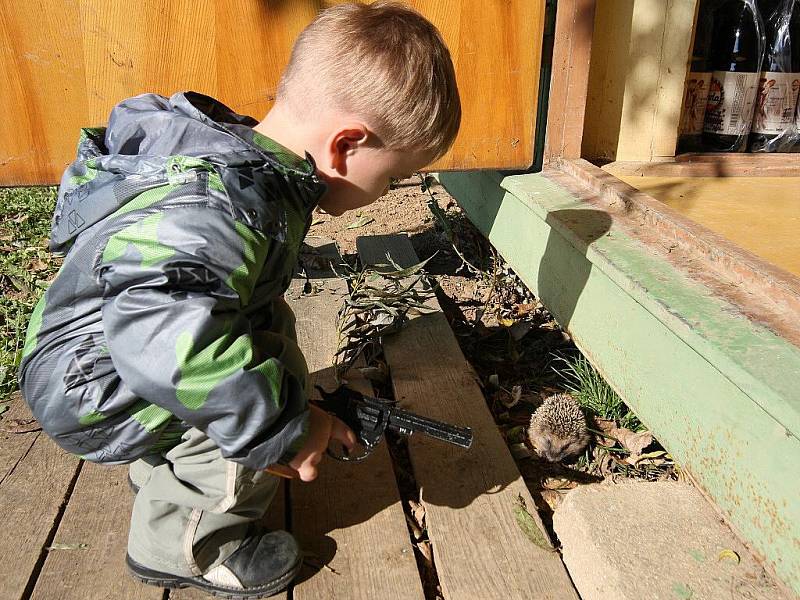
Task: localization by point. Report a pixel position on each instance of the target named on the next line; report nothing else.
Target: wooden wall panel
(43, 93)
(638, 65)
(66, 63)
(569, 82)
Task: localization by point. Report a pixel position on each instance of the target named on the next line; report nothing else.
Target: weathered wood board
(569, 83)
(98, 515)
(759, 214)
(35, 482)
(471, 497)
(65, 67)
(14, 446)
(350, 518)
(639, 61)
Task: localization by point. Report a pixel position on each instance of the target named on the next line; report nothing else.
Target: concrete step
(644, 540)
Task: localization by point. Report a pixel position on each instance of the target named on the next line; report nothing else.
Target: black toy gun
(370, 417)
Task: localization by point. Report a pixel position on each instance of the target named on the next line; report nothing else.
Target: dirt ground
(404, 210)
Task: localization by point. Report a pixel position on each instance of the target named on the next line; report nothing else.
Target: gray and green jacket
(181, 227)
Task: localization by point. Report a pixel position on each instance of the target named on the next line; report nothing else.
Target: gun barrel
(409, 423)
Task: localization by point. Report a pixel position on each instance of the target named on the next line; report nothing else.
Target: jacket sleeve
(176, 286)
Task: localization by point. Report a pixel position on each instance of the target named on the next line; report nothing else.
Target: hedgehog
(558, 428)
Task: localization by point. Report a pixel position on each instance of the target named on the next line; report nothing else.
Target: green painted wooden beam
(720, 392)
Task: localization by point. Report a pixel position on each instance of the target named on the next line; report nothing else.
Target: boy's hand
(322, 428)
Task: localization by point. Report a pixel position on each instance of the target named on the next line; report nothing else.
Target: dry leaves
(60, 546)
(378, 305)
(511, 399)
(530, 526)
(377, 373)
(621, 450)
(632, 441)
(361, 222)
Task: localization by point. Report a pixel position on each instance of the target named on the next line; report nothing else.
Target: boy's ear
(343, 144)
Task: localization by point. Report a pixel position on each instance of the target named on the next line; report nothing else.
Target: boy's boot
(264, 564)
(194, 523)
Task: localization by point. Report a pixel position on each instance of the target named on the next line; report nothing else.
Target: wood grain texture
(470, 496)
(98, 515)
(638, 67)
(13, 446)
(43, 99)
(66, 66)
(711, 164)
(569, 83)
(31, 495)
(350, 518)
(758, 214)
(766, 293)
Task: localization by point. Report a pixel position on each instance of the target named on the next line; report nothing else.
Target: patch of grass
(593, 393)
(26, 269)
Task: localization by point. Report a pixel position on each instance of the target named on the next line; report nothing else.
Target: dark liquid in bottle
(736, 68)
(695, 90)
(779, 84)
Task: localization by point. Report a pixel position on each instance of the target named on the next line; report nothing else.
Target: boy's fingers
(343, 434)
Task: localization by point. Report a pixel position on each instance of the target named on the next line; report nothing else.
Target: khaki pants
(194, 507)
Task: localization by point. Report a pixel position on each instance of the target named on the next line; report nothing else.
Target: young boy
(164, 339)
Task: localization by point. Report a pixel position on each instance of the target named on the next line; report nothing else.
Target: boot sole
(166, 580)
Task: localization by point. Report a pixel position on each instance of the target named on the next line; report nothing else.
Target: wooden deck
(65, 522)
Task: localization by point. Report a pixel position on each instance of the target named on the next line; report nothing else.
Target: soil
(404, 210)
(507, 335)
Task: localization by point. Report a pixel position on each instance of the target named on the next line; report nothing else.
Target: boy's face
(364, 176)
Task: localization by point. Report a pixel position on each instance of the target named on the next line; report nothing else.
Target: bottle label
(695, 98)
(731, 98)
(777, 98)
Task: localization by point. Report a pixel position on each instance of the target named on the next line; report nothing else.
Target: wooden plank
(43, 98)
(659, 52)
(496, 49)
(711, 165)
(758, 214)
(569, 85)
(31, 495)
(717, 387)
(98, 515)
(470, 497)
(759, 289)
(67, 66)
(639, 64)
(13, 446)
(350, 518)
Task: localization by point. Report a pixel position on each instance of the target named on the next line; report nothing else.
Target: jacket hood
(152, 141)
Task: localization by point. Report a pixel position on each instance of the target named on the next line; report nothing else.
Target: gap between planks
(36, 480)
(470, 496)
(350, 518)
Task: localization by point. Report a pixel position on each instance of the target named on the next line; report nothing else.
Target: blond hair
(383, 62)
